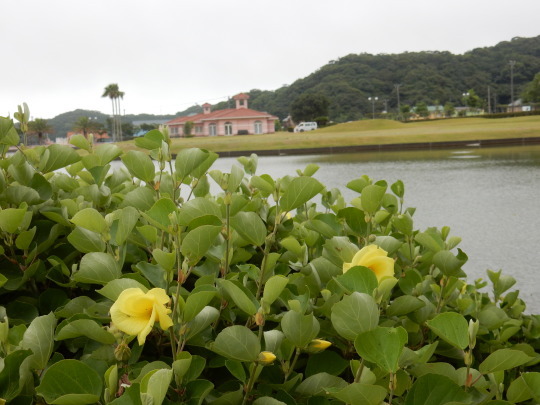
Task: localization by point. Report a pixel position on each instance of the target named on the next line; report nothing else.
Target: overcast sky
(166, 55)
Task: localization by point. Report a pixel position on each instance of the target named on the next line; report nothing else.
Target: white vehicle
(305, 126)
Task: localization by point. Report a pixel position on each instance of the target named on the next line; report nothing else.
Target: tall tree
(309, 106)
(39, 127)
(532, 91)
(113, 92)
(85, 126)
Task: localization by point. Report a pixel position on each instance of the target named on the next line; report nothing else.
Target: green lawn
(368, 132)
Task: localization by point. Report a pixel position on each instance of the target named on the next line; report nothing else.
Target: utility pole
(489, 100)
(397, 86)
(512, 63)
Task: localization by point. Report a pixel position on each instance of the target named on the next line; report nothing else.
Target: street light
(465, 95)
(373, 99)
(397, 86)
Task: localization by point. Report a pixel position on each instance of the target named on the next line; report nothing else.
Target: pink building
(231, 121)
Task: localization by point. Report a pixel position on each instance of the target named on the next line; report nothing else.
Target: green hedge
(141, 285)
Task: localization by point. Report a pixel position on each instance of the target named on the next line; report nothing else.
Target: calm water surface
(488, 197)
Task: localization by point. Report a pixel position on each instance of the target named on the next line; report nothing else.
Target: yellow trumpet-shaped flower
(318, 345)
(374, 258)
(266, 358)
(135, 312)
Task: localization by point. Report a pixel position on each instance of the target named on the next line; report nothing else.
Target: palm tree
(85, 126)
(39, 127)
(113, 92)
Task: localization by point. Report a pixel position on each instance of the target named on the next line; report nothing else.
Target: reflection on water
(488, 197)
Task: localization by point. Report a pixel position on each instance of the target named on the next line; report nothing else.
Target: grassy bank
(369, 132)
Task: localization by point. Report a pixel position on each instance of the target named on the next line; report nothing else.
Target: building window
(228, 128)
(258, 127)
(212, 130)
(198, 129)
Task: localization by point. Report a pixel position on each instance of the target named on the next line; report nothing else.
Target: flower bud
(259, 318)
(318, 345)
(122, 352)
(266, 358)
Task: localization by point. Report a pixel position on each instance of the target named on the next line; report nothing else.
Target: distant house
(231, 121)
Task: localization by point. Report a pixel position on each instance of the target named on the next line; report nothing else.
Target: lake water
(488, 197)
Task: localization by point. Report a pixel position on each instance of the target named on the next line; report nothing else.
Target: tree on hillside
(39, 127)
(449, 109)
(532, 91)
(85, 126)
(472, 100)
(113, 92)
(308, 106)
(422, 109)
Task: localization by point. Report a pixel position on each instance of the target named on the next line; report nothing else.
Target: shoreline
(330, 150)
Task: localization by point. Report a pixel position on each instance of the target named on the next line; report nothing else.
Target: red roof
(228, 113)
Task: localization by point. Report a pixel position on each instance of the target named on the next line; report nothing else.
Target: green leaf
(197, 391)
(182, 363)
(197, 208)
(299, 191)
(404, 305)
(430, 240)
(241, 297)
(195, 302)
(187, 160)
(447, 262)
(300, 329)
(452, 328)
(107, 153)
(201, 321)
(88, 328)
(236, 369)
(153, 273)
(318, 383)
(382, 346)
(141, 198)
(39, 337)
(155, 384)
(113, 288)
(434, 389)
(267, 401)
(355, 314)
(158, 215)
(86, 241)
(371, 198)
(398, 188)
(164, 259)
(235, 178)
(91, 219)
(81, 142)
(8, 133)
(503, 359)
(359, 279)
(328, 361)
(9, 375)
(70, 382)
(140, 165)
(97, 268)
(263, 183)
(127, 219)
(11, 219)
(25, 238)
(361, 394)
(525, 387)
(250, 227)
(237, 343)
(56, 157)
(197, 242)
(151, 140)
(273, 288)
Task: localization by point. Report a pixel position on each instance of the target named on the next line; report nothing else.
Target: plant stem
(359, 372)
(227, 238)
(291, 368)
(250, 384)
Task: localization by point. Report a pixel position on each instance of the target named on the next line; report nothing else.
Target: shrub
(252, 280)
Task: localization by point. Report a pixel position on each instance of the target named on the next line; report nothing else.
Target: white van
(305, 126)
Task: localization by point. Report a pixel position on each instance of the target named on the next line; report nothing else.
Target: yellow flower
(374, 258)
(318, 345)
(266, 358)
(135, 312)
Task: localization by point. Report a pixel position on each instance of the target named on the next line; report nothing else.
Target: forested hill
(430, 77)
